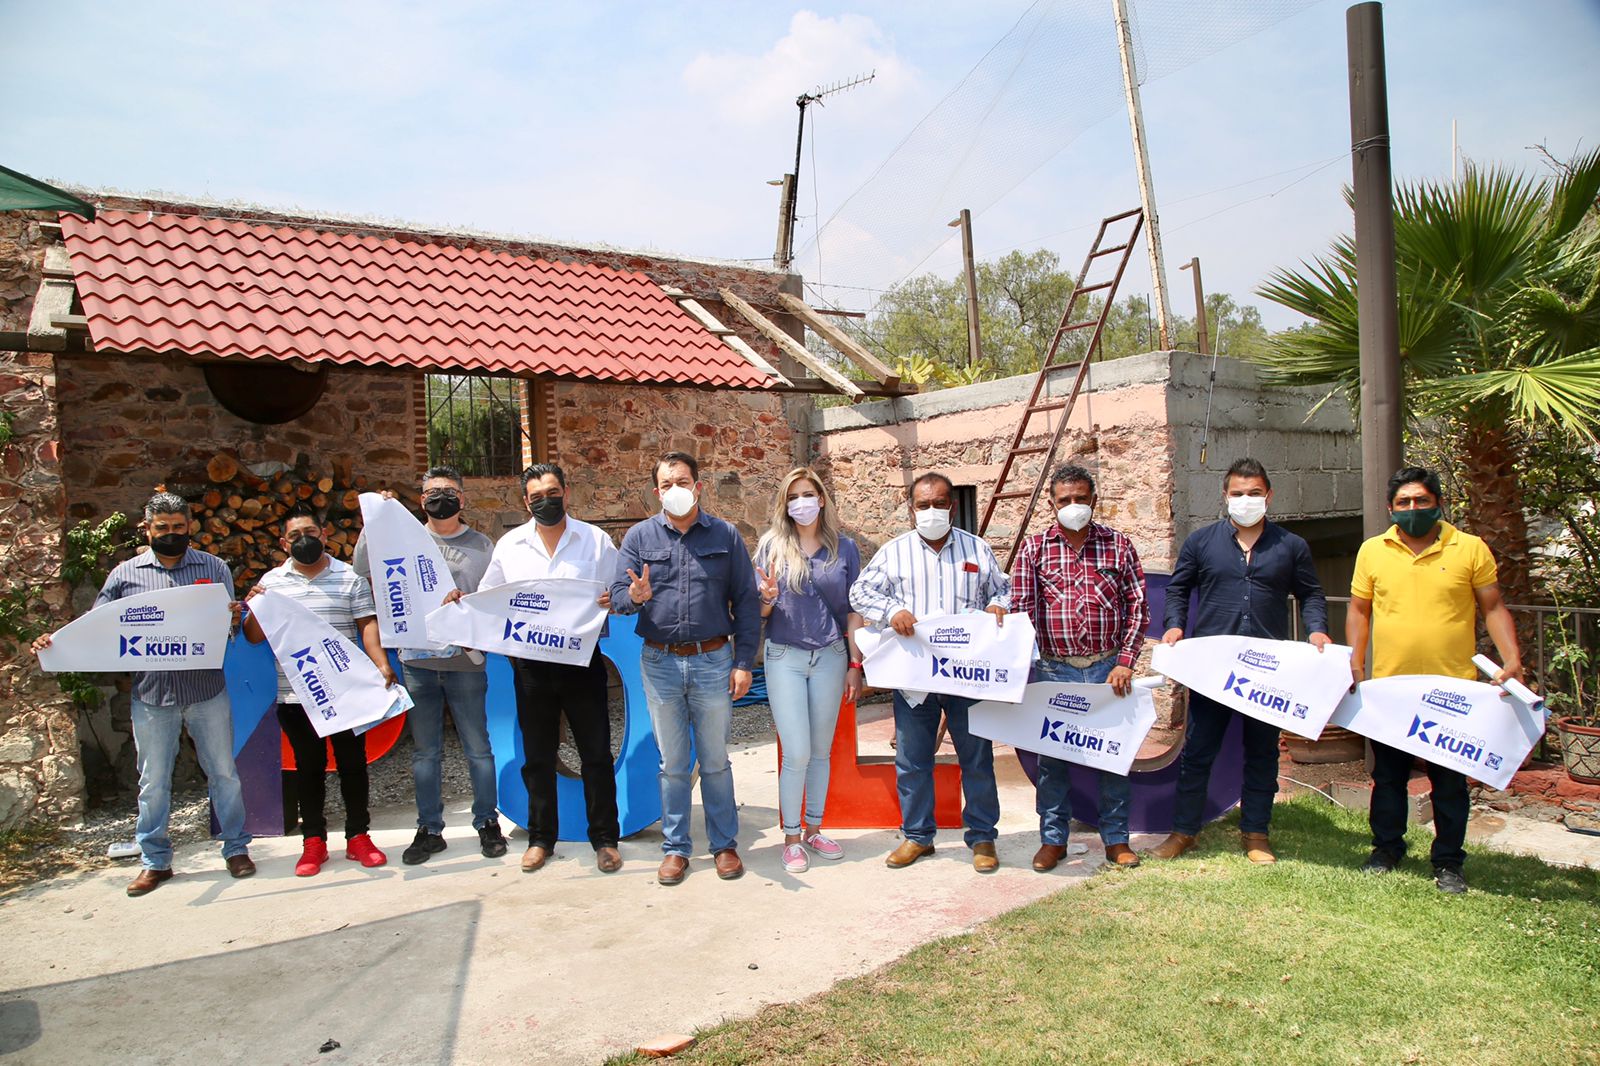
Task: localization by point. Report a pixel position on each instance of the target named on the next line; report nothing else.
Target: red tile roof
(211, 286)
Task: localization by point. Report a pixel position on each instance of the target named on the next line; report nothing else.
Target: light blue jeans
(915, 729)
(1054, 802)
(804, 688)
(692, 715)
(464, 690)
(156, 732)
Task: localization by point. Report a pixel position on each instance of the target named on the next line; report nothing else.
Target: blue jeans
(692, 715)
(804, 688)
(1208, 720)
(464, 690)
(915, 729)
(156, 731)
(1054, 802)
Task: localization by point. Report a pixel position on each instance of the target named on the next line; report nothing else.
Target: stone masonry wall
(21, 267)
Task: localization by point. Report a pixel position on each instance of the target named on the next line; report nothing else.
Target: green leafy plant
(16, 621)
(89, 544)
(7, 435)
(80, 688)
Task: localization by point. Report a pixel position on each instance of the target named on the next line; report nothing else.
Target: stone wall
(41, 774)
(21, 267)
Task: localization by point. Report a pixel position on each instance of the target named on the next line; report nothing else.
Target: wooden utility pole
(1141, 159)
(1202, 334)
(783, 254)
(974, 342)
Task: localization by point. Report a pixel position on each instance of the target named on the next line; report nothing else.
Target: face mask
(548, 510)
(1074, 515)
(1246, 511)
(677, 501)
(306, 549)
(933, 523)
(171, 545)
(441, 505)
(1416, 523)
(804, 509)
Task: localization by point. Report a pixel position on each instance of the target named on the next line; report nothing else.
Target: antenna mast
(803, 101)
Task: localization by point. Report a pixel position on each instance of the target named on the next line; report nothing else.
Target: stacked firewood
(239, 513)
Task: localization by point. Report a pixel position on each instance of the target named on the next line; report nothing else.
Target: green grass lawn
(1207, 959)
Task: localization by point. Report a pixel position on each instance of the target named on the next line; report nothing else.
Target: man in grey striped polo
(165, 701)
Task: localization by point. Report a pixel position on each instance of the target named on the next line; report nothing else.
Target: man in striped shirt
(165, 701)
(342, 598)
(1082, 585)
(935, 569)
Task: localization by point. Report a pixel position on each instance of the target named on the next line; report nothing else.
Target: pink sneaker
(794, 859)
(361, 847)
(825, 848)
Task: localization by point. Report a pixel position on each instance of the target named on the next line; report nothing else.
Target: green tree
(1499, 315)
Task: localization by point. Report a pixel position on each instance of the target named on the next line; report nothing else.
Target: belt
(690, 647)
(1081, 661)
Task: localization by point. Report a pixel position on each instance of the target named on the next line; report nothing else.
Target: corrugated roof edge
(163, 201)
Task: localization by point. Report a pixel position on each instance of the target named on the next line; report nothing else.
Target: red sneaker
(312, 857)
(361, 847)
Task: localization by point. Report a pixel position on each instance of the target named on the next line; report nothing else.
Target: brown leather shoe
(147, 881)
(1257, 848)
(906, 854)
(607, 860)
(673, 868)
(535, 858)
(1048, 857)
(984, 860)
(1175, 844)
(241, 866)
(729, 868)
(1121, 855)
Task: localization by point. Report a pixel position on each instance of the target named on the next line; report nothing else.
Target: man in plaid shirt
(1082, 585)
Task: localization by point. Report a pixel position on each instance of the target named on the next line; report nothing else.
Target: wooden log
(211, 499)
(222, 467)
(351, 501)
(250, 507)
(325, 484)
(283, 487)
(360, 481)
(235, 501)
(319, 500)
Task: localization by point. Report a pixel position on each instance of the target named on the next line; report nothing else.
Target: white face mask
(933, 523)
(1074, 515)
(677, 501)
(804, 509)
(1246, 511)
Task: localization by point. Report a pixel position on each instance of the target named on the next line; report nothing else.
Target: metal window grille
(475, 424)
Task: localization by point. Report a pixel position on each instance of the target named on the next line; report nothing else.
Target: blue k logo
(130, 646)
(1419, 729)
(1236, 684)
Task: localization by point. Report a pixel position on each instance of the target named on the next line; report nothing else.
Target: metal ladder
(1003, 489)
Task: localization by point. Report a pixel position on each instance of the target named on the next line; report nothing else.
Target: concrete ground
(467, 960)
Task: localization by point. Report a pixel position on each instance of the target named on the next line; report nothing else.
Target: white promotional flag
(1465, 725)
(954, 654)
(1085, 724)
(553, 619)
(337, 684)
(183, 628)
(1286, 683)
(408, 572)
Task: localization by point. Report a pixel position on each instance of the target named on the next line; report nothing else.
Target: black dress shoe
(1380, 862)
(1449, 879)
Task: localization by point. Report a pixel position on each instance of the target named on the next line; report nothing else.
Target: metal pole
(794, 187)
(1382, 413)
(1202, 335)
(974, 343)
(1141, 159)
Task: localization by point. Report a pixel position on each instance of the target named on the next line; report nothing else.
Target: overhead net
(1053, 75)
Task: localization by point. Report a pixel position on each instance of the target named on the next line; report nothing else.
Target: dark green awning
(18, 192)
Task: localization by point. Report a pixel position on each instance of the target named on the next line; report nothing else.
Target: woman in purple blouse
(805, 570)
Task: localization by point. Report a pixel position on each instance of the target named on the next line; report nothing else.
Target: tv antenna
(792, 190)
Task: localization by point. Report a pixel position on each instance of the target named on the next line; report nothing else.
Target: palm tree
(1499, 303)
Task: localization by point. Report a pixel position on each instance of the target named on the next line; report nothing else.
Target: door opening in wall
(964, 508)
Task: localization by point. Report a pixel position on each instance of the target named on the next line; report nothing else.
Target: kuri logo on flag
(408, 572)
(1085, 724)
(1465, 725)
(1286, 683)
(337, 683)
(555, 619)
(954, 654)
(183, 628)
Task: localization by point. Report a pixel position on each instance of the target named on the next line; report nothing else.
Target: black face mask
(306, 549)
(170, 545)
(441, 505)
(548, 510)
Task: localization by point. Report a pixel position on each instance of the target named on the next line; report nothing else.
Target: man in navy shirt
(1244, 568)
(688, 576)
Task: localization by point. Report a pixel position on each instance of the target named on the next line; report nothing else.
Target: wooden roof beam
(839, 339)
(772, 332)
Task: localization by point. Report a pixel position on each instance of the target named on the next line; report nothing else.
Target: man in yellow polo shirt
(1417, 592)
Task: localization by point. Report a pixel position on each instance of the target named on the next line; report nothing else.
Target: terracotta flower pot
(1580, 750)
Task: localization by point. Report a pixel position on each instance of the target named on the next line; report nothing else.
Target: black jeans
(1208, 721)
(311, 773)
(544, 692)
(1391, 770)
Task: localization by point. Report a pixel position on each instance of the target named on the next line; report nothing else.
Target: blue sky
(657, 125)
